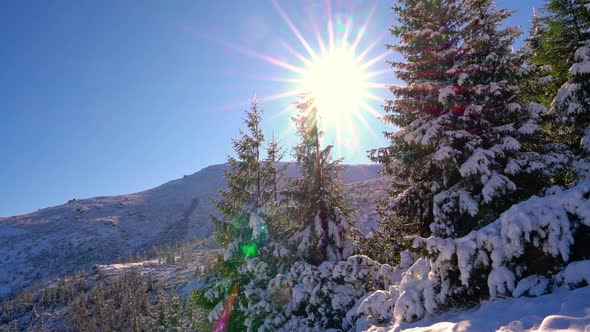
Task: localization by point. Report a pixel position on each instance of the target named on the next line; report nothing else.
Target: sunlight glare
(337, 83)
(334, 72)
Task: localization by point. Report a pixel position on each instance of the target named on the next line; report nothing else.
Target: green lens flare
(249, 250)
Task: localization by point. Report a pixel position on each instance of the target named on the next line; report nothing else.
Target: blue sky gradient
(111, 97)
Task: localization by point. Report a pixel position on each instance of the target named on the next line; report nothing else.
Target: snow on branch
(546, 223)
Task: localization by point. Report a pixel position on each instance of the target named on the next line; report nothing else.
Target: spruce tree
(318, 205)
(568, 31)
(557, 31)
(247, 208)
(539, 80)
(565, 25)
(428, 40)
(273, 170)
(318, 280)
(273, 181)
(466, 150)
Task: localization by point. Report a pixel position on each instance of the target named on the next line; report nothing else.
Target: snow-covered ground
(564, 310)
(81, 233)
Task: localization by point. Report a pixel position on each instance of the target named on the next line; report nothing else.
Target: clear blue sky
(112, 97)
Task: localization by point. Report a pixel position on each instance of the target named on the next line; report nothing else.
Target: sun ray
(359, 116)
(371, 110)
(286, 133)
(377, 58)
(371, 46)
(291, 80)
(374, 85)
(286, 110)
(294, 29)
(359, 36)
(280, 79)
(319, 38)
(363, 28)
(330, 24)
(267, 58)
(347, 28)
(373, 97)
(366, 124)
(290, 93)
(296, 54)
(376, 73)
(245, 51)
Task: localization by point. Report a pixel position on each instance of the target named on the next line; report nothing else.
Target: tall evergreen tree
(565, 27)
(273, 170)
(557, 31)
(244, 177)
(428, 40)
(466, 150)
(570, 110)
(317, 198)
(565, 43)
(248, 209)
(539, 80)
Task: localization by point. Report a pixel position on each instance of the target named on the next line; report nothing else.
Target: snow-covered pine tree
(247, 218)
(427, 37)
(272, 170)
(316, 199)
(568, 30)
(281, 228)
(317, 282)
(496, 146)
(569, 115)
(539, 81)
(564, 25)
(274, 258)
(517, 253)
(465, 151)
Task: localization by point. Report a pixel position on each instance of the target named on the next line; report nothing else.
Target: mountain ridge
(99, 230)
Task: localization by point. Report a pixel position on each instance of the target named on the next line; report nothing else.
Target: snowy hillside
(98, 299)
(81, 233)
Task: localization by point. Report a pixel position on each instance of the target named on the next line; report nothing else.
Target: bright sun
(336, 72)
(338, 84)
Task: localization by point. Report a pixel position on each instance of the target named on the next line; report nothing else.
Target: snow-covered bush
(493, 261)
(377, 306)
(533, 285)
(309, 297)
(491, 258)
(576, 274)
(417, 294)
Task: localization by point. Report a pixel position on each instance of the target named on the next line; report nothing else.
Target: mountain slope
(81, 233)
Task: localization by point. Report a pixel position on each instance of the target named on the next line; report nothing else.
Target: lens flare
(223, 321)
(249, 249)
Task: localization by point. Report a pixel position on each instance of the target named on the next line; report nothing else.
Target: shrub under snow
(309, 297)
(492, 257)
